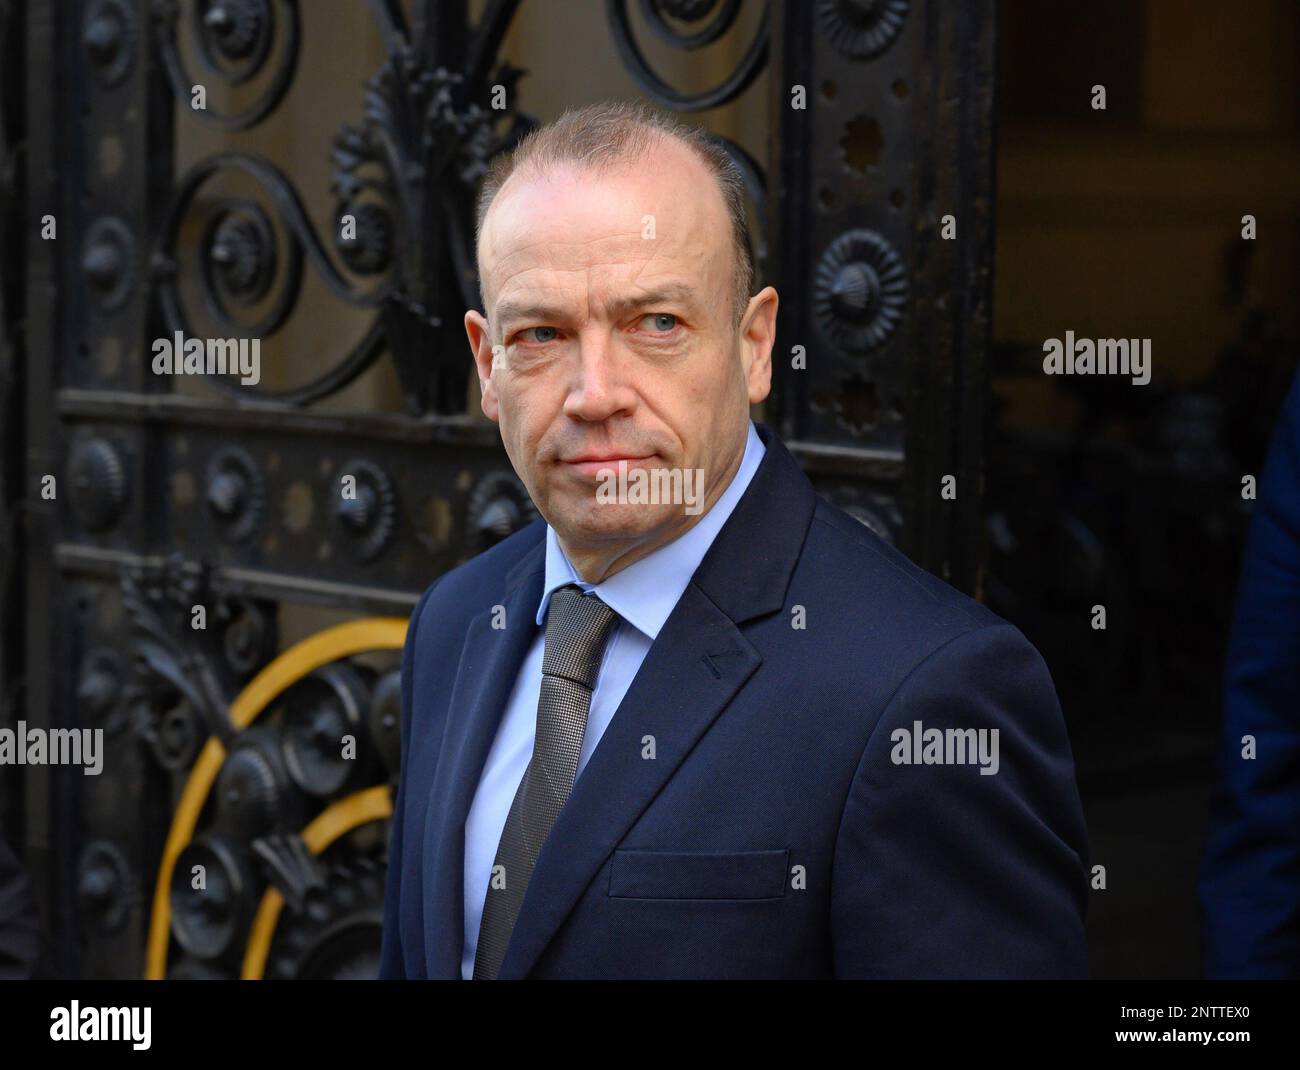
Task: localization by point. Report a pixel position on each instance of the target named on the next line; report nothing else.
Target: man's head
(615, 271)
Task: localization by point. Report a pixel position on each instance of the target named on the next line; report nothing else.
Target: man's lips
(591, 464)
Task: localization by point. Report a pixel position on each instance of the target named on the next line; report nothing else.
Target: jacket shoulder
(461, 592)
(873, 579)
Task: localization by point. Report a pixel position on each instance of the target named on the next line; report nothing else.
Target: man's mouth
(591, 464)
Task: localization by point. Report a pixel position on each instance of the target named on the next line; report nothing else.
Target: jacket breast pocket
(698, 875)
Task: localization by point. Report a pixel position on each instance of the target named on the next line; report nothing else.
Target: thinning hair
(611, 134)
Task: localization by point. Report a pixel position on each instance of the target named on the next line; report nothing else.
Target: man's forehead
(577, 205)
(608, 267)
(511, 253)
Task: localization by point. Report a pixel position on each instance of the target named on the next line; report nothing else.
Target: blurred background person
(1250, 877)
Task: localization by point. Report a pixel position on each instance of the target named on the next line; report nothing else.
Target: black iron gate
(165, 527)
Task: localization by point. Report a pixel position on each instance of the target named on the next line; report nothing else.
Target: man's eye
(660, 321)
(541, 337)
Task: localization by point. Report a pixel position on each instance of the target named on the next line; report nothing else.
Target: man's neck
(597, 563)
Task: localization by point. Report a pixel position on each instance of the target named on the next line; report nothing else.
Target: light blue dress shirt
(643, 595)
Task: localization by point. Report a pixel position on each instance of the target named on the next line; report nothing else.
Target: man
(650, 738)
(1250, 875)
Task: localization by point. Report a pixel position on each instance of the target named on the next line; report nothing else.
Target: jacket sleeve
(949, 870)
(392, 963)
(1250, 876)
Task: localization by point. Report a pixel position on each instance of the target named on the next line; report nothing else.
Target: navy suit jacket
(771, 834)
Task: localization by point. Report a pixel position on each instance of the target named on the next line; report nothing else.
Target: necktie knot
(577, 628)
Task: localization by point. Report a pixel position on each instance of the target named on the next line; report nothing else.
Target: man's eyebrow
(510, 311)
(678, 291)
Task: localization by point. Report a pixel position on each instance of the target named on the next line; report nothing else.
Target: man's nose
(599, 389)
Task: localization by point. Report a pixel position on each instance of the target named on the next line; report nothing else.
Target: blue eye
(659, 318)
(539, 339)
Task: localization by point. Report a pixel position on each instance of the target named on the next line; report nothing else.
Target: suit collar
(747, 569)
(644, 593)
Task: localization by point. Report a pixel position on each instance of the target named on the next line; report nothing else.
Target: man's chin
(597, 522)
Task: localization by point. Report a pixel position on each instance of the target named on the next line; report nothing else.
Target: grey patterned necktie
(577, 629)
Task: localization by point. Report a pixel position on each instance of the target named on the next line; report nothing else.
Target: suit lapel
(489, 663)
(690, 674)
(694, 668)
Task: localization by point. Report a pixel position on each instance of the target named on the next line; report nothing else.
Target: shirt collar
(645, 592)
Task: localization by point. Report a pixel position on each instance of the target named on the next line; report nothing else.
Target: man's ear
(480, 344)
(757, 337)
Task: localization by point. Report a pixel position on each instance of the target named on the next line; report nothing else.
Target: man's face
(610, 318)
